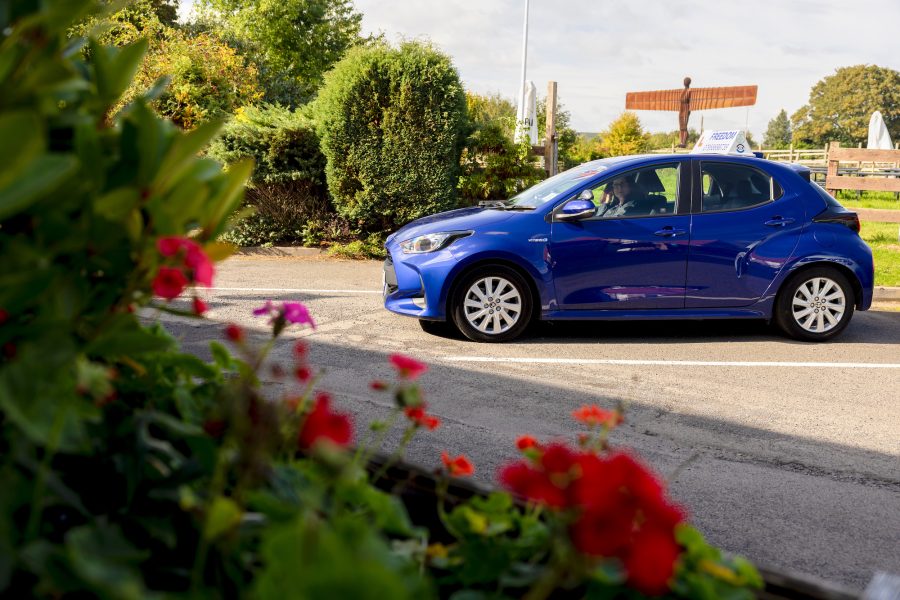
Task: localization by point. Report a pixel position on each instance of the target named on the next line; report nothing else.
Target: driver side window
(646, 192)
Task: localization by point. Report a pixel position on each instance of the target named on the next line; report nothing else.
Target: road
(785, 452)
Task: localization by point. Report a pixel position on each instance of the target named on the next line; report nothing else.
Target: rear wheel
(815, 305)
(492, 304)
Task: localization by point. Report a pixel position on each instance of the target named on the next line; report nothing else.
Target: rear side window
(730, 187)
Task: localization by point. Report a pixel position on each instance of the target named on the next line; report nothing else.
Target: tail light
(845, 218)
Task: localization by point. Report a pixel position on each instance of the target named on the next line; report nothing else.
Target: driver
(627, 199)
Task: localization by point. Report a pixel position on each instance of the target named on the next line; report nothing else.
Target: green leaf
(117, 204)
(21, 140)
(128, 340)
(115, 68)
(183, 148)
(223, 516)
(221, 356)
(40, 177)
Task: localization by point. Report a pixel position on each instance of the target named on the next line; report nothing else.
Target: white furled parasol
(879, 137)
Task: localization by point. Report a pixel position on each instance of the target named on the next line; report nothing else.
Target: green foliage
(97, 435)
(289, 197)
(567, 139)
(840, 106)
(294, 42)
(392, 123)
(207, 78)
(625, 136)
(371, 247)
(884, 238)
(778, 133)
(662, 140)
(492, 165)
(588, 148)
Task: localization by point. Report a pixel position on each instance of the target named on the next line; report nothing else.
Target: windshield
(555, 186)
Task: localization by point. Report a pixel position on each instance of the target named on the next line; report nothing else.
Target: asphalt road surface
(785, 452)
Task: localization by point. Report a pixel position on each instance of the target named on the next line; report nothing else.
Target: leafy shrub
(208, 78)
(392, 123)
(289, 197)
(493, 167)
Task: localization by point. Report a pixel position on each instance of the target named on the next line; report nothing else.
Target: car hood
(461, 219)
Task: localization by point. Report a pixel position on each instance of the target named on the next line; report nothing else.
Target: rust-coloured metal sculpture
(686, 100)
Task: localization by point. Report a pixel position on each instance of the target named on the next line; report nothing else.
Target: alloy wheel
(492, 305)
(818, 304)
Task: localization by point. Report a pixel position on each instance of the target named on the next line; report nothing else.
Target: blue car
(681, 236)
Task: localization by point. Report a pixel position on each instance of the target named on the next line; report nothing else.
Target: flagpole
(522, 109)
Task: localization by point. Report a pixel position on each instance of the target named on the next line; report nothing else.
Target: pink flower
(408, 368)
(292, 312)
(169, 283)
(169, 246)
(195, 258)
(296, 313)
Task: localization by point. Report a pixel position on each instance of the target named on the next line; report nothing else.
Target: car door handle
(779, 221)
(669, 231)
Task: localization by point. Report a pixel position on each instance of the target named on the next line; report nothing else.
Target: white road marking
(292, 290)
(670, 363)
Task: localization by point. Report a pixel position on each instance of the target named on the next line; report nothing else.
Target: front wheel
(815, 305)
(492, 304)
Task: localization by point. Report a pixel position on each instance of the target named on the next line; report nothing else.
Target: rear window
(730, 187)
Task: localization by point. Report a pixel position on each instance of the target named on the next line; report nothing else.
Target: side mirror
(575, 210)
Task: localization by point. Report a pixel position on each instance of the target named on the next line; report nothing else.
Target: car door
(744, 229)
(635, 260)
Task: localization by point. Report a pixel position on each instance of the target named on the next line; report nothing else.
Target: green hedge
(392, 123)
(288, 193)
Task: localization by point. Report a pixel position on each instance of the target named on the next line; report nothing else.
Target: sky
(597, 50)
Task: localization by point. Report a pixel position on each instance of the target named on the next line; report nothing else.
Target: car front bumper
(413, 284)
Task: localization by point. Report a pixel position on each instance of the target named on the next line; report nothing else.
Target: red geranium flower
(378, 386)
(302, 374)
(420, 418)
(234, 333)
(524, 442)
(323, 424)
(3, 316)
(199, 264)
(457, 467)
(408, 368)
(169, 283)
(199, 306)
(532, 484)
(650, 563)
(592, 415)
(300, 349)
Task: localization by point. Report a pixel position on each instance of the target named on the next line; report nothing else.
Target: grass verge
(882, 237)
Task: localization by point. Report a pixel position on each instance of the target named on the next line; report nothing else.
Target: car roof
(637, 160)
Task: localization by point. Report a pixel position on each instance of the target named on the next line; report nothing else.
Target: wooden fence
(874, 170)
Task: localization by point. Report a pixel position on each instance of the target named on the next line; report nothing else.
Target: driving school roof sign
(723, 142)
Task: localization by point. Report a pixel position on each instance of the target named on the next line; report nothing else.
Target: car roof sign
(732, 142)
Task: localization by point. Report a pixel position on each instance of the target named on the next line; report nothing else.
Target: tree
(208, 78)
(840, 106)
(392, 123)
(667, 139)
(625, 136)
(778, 133)
(493, 166)
(293, 42)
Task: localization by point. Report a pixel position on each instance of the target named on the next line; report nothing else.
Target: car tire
(438, 328)
(815, 305)
(492, 304)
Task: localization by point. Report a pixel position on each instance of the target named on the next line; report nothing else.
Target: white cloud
(597, 51)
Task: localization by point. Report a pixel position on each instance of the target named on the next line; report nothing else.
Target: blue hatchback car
(681, 236)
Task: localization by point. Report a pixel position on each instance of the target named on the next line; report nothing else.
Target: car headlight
(431, 242)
